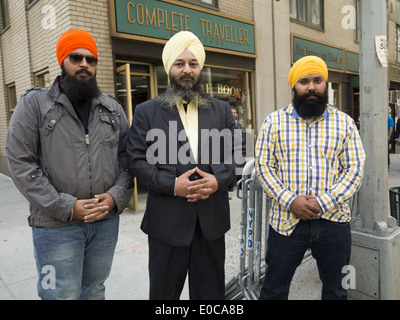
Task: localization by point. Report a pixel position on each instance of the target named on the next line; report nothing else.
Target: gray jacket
(53, 162)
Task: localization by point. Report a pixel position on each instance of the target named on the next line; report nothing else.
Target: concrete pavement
(129, 276)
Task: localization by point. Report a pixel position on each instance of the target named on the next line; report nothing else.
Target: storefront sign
(157, 21)
(224, 89)
(381, 50)
(334, 57)
(395, 72)
(352, 62)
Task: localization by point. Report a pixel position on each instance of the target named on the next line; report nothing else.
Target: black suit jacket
(155, 139)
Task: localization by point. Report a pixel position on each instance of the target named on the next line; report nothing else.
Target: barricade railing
(247, 282)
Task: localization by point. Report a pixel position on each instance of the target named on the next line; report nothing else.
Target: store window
(42, 78)
(11, 99)
(334, 94)
(307, 12)
(5, 14)
(211, 3)
(231, 85)
(397, 43)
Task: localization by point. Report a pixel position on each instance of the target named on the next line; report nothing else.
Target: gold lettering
(208, 28)
(240, 36)
(139, 7)
(395, 72)
(166, 21)
(186, 22)
(227, 90)
(151, 18)
(216, 34)
(236, 37)
(160, 19)
(129, 16)
(208, 88)
(181, 19)
(202, 26)
(219, 88)
(226, 33)
(246, 36)
(221, 31)
(174, 26)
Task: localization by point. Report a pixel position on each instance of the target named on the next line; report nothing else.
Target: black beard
(187, 91)
(310, 109)
(79, 90)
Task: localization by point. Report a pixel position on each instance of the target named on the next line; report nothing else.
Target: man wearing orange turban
(310, 160)
(72, 40)
(66, 153)
(187, 211)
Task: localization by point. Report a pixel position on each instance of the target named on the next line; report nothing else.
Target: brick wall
(333, 33)
(241, 9)
(92, 16)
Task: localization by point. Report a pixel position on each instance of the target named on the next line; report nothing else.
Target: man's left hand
(201, 189)
(105, 199)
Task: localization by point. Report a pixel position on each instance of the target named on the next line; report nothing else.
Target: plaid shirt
(324, 158)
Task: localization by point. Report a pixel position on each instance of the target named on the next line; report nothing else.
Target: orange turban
(72, 40)
(307, 65)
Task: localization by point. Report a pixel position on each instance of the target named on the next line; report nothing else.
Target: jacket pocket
(109, 129)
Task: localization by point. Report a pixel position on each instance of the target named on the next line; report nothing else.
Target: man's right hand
(305, 207)
(183, 183)
(89, 210)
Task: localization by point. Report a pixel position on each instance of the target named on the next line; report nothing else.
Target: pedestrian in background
(238, 126)
(187, 211)
(309, 159)
(390, 133)
(66, 154)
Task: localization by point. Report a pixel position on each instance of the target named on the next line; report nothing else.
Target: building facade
(250, 46)
(130, 36)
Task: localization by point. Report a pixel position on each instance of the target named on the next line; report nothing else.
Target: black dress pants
(204, 261)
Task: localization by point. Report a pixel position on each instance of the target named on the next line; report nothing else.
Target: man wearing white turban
(187, 211)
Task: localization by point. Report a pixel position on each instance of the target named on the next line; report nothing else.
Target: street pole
(376, 236)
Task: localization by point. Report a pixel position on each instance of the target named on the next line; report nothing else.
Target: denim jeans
(74, 261)
(330, 244)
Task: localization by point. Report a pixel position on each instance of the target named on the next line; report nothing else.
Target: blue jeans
(330, 244)
(74, 261)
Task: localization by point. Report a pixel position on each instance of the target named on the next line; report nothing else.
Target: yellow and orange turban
(307, 65)
(72, 40)
(177, 44)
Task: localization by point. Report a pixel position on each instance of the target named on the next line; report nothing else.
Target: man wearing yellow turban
(310, 160)
(171, 151)
(66, 154)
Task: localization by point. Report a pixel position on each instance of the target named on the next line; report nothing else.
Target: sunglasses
(77, 58)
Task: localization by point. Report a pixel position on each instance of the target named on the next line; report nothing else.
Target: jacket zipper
(87, 140)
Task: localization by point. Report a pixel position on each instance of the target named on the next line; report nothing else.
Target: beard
(179, 90)
(309, 109)
(79, 90)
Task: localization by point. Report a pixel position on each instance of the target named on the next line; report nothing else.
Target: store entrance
(135, 84)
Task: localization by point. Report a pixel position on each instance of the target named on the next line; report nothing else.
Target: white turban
(177, 44)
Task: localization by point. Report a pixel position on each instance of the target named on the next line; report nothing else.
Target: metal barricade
(246, 284)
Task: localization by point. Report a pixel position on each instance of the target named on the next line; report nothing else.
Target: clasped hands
(198, 189)
(305, 207)
(91, 210)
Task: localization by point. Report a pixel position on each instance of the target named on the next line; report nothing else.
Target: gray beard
(176, 93)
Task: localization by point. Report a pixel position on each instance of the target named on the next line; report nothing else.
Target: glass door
(135, 84)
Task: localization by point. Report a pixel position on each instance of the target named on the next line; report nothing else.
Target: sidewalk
(129, 276)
